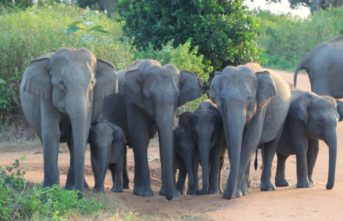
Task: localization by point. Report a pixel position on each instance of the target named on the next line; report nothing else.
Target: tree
(223, 30)
(314, 5)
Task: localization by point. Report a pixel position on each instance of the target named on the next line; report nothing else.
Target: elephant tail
(300, 67)
(305, 63)
(255, 162)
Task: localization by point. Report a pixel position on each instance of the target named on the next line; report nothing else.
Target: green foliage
(286, 39)
(41, 29)
(21, 201)
(183, 57)
(224, 31)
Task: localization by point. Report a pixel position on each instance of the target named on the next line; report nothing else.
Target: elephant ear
(36, 79)
(340, 109)
(189, 86)
(185, 120)
(265, 88)
(106, 79)
(131, 87)
(215, 86)
(299, 107)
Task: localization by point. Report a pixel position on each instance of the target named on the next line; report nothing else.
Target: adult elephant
(149, 95)
(324, 65)
(57, 93)
(253, 106)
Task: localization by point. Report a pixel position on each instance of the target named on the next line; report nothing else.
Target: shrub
(224, 31)
(286, 39)
(28, 34)
(183, 57)
(22, 201)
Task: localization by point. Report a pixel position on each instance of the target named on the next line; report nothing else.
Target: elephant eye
(62, 85)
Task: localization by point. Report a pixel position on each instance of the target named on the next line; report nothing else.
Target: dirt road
(286, 203)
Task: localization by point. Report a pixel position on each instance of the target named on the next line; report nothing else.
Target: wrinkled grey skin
(310, 117)
(253, 106)
(184, 147)
(108, 149)
(57, 93)
(149, 95)
(324, 66)
(209, 139)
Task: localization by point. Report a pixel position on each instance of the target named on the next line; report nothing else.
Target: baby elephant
(184, 148)
(310, 117)
(108, 149)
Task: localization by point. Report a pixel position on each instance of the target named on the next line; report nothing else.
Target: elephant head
(71, 80)
(240, 94)
(320, 117)
(157, 91)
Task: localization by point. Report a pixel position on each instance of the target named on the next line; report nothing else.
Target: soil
(287, 203)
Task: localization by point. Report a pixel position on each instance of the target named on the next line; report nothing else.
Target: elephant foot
(267, 187)
(176, 192)
(98, 190)
(70, 186)
(237, 194)
(201, 192)
(281, 182)
(191, 191)
(311, 182)
(304, 184)
(245, 190)
(214, 191)
(126, 186)
(117, 189)
(142, 191)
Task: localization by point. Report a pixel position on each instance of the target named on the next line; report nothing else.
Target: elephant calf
(310, 117)
(184, 148)
(108, 150)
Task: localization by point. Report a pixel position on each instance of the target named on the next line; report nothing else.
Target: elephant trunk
(234, 122)
(79, 114)
(332, 143)
(204, 149)
(164, 119)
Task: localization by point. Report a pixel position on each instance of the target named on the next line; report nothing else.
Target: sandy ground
(286, 203)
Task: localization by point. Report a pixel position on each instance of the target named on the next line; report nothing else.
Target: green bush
(183, 57)
(41, 29)
(285, 39)
(223, 31)
(20, 200)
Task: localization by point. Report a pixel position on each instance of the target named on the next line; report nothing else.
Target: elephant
(58, 93)
(324, 65)
(253, 105)
(209, 139)
(310, 117)
(108, 150)
(184, 147)
(148, 96)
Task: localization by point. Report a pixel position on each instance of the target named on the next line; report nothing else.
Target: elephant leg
(215, 168)
(302, 171)
(125, 172)
(50, 138)
(268, 152)
(138, 125)
(312, 153)
(192, 190)
(245, 186)
(251, 139)
(117, 172)
(70, 176)
(180, 184)
(280, 178)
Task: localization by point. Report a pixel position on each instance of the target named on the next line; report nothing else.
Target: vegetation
(223, 31)
(20, 200)
(285, 39)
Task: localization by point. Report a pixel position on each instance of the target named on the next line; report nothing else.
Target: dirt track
(286, 203)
